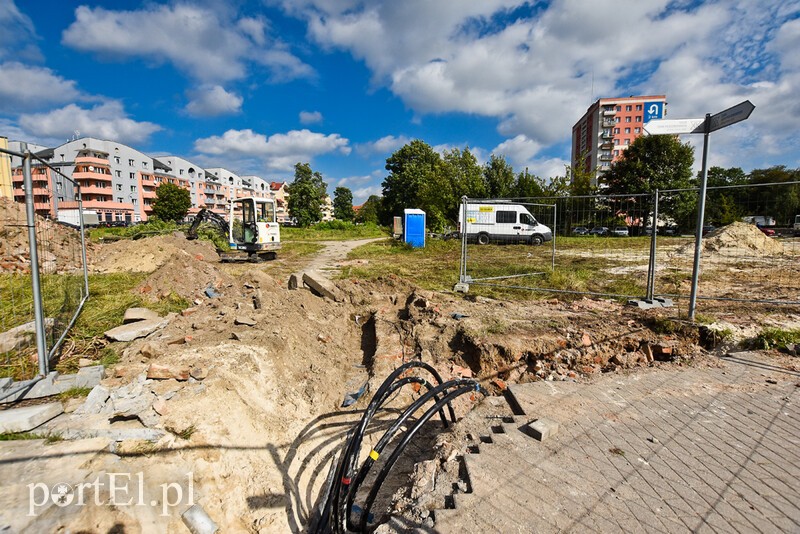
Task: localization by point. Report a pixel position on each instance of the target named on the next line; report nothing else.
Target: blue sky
(256, 86)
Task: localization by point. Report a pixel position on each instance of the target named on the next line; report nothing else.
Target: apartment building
(5, 170)
(120, 183)
(608, 127)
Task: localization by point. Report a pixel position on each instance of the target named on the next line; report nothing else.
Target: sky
(256, 86)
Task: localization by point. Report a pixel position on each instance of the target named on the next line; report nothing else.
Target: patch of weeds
(701, 318)
(617, 451)
(108, 357)
(19, 436)
(664, 326)
(776, 338)
(496, 327)
(186, 433)
(74, 393)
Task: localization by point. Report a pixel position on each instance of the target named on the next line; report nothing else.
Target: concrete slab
(131, 331)
(541, 429)
(29, 417)
(322, 286)
(133, 315)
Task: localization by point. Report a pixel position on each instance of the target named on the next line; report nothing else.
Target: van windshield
(524, 218)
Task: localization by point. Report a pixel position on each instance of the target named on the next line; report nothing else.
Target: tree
(370, 210)
(657, 162)
(343, 204)
(409, 167)
(440, 194)
(172, 202)
(306, 195)
(580, 179)
(724, 206)
(498, 176)
(528, 185)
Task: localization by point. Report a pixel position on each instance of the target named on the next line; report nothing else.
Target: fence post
(701, 213)
(83, 242)
(462, 277)
(30, 215)
(651, 267)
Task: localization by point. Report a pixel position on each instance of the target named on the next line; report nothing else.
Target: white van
(500, 222)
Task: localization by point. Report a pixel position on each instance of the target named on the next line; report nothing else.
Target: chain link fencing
(642, 246)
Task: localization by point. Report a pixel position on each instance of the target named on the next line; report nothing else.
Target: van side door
(507, 228)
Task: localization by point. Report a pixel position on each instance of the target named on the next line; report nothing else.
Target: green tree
(528, 185)
(499, 177)
(581, 179)
(779, 201)
(657, 162)
(370, 210)
(724, 206)
(343, 204)
(411, 166)
(440, 195)
(306, 195)
(172, 202)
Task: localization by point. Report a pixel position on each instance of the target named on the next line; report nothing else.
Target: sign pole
(701, 212)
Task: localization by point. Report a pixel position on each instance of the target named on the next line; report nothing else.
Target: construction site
(293, 396)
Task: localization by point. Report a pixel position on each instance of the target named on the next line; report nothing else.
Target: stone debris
(131, 331)
(245, 321)
(133, 315)
(163, 372)
(541, 429)
(29, 417)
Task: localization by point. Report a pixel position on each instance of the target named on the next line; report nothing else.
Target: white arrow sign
(737, 113)
(673, 126)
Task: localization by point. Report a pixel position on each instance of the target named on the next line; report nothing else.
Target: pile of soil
(735, 239)
(59, 245)
(148, 254)
(184, 275)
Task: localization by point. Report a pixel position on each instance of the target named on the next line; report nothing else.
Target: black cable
(384, 472)
(389, 434)
(353, 445)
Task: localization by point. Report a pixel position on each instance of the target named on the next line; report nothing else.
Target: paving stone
(541, 429)
(131, 331)
(29, 417)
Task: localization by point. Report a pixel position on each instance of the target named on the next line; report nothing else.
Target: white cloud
(105, 121)
(385, 145)
(206, 44)
(278, 152)
(18, 38)
(24, 87)
(213, 101)
(536, 74)
(310, 117)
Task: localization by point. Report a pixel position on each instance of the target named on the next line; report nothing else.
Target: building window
(133, 201)
(181, 172)
(130, 163)
(118, 173)
(133, 189)
(116, 159)
(637, 130)
(616, 152)
(638, 118)
(132, 175)
(616, 130)
(627, 130)
(627, 141)
(627, 119)
(616, 141)
(616, 119)
(144, 164)
(619, 108)
(119, 187)
(628, 108)
(638, 107)
(119, 199)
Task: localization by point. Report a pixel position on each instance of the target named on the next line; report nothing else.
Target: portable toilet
(414, 227)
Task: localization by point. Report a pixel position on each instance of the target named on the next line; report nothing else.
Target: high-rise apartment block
(608, 127)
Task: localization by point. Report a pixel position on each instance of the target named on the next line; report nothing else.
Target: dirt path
(329, 259)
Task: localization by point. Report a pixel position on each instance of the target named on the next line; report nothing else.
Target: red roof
(276, 185)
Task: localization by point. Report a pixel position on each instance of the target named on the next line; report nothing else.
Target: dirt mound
(185, 275)
(148, 254)
(735, 239)
(59, 245)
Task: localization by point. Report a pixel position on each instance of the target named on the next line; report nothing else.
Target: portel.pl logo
(120, 489)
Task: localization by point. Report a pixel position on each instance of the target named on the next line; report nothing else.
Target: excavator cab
(253, 225)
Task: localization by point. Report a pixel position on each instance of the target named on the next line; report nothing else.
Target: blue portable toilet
(414, 227)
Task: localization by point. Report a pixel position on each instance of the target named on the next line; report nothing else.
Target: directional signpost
(711, 123)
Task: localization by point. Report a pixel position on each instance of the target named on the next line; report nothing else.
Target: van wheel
(537, 240)
(483, 239)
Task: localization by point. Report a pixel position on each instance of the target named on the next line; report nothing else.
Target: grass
(333, 231)
(74, 393)
(110, 296)
(436, 267)
(776, 338)
(19, 436)
(186, 433)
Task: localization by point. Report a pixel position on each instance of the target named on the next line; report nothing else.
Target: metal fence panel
(60, 256)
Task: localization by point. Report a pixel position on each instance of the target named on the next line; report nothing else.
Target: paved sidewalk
(699, 449)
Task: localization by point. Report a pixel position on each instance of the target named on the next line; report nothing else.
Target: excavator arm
(205, 215)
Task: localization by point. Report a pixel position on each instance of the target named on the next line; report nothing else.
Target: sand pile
(148, 254)
(736, 239)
